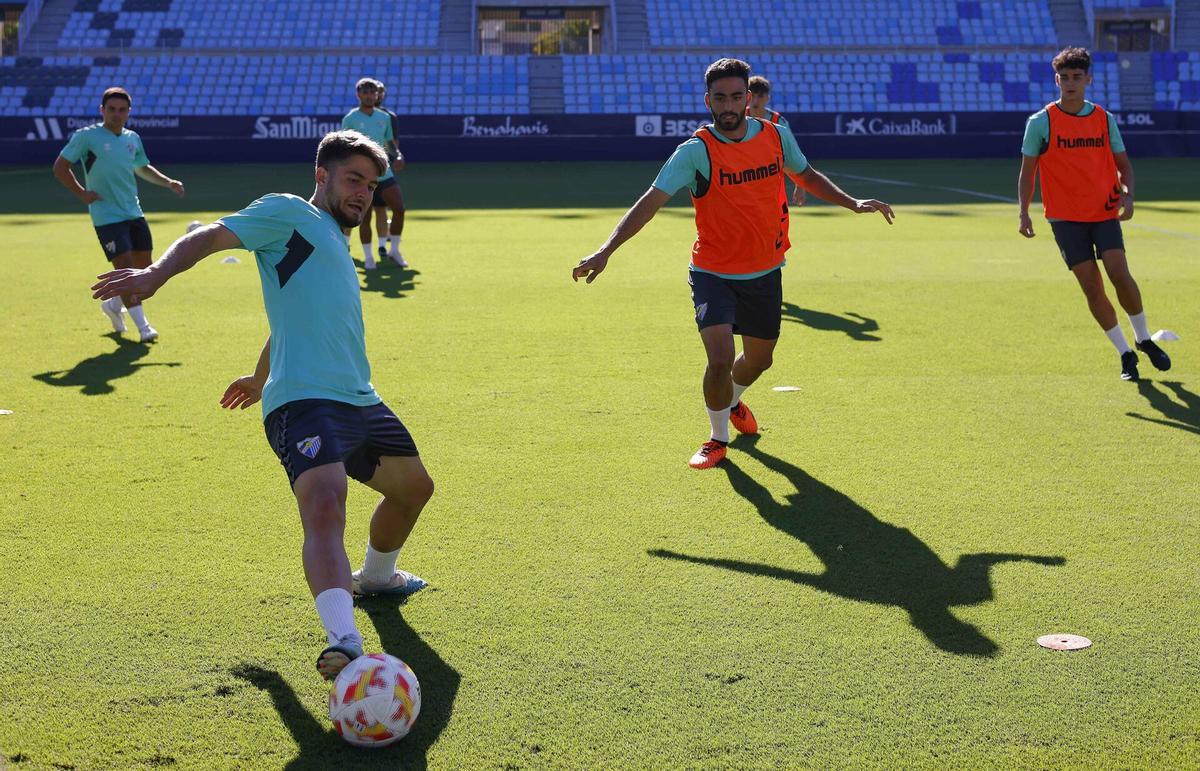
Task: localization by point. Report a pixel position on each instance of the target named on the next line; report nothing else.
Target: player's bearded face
(727, 101)
(348, 191)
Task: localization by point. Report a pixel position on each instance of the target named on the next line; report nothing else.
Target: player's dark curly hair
(1072, 59)
(726, 68)
(339, 145)
(759, 85)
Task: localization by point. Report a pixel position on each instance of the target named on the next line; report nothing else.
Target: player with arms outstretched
(734, 168)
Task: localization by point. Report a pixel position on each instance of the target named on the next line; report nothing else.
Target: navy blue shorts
(128, 236)
(314, 432)
(752, 305)
(1083, 241)
(377, 196)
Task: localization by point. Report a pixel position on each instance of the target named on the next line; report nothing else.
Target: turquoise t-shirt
(691, 158)
(377, 126)
(310, 289)
(108, 163)
(1037, 132)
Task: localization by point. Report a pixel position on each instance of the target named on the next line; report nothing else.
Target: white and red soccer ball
(375, 701)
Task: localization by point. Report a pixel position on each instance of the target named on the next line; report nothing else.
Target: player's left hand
(398, 164)
(1126, 207)
(177, 188)
(798, 196)
(138, 283)
(870, 204)
(242, 393)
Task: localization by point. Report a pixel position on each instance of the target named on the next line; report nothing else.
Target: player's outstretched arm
(156, 177)
(1025, 182)
(1125, 169)
(66, 178)
(634, 220)
(181, 255)
(822, 187)
(247, 390)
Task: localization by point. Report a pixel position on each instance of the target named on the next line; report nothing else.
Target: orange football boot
(710, 454)
(743, 419)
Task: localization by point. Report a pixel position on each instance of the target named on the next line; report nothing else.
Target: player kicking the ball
(735, 169)
(323, 418)
(1087, 189)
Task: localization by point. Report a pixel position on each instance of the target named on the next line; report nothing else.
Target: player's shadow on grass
(439, 681)
(857, 326)
(865, 559)
(389, 279)
(94, 375)
(321, 748)
(1184, 413)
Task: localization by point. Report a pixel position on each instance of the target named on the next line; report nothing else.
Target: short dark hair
(337, 146)
(760, 85)
(726, 68)
(1075, 58)
(116, 92)
(364, 83)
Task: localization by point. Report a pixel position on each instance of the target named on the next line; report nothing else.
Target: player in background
(1087, 189)
(396, 158)
(377, 125)
(734, 168)
(322, 416)
(760, 94)
(112, 156)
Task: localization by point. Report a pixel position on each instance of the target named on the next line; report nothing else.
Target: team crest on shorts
(309, 447)
(701, 309)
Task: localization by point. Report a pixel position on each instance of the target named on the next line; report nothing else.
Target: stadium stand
(1177, 80)
(194, 57)
(833, 83)
(691, 24)
(247, 85)
(250, 25)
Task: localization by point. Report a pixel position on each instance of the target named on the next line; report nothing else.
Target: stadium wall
(478, 138)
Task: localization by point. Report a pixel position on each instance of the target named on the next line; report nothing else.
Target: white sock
(366, 245)
(1118, 339)
(738, 390)
(138, 314)
(394, 245)
(336, 609)
(720, 424)
(379, 566)
(383, 242)
(1140, 332)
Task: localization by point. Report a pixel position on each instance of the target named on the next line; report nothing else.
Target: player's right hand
(590, 267)
(1026, 226)
(242, 393)
(138, 283)
(89, 196)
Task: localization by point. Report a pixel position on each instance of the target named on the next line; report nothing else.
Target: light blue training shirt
(108, 163)
(310, 289)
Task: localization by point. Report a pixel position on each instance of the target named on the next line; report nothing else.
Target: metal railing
(25, 23)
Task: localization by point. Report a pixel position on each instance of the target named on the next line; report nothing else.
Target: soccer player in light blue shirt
(112, 156)
(373, 121)
(322, 416)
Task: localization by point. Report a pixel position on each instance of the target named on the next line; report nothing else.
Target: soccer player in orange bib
(734, 168)
(1087, 189)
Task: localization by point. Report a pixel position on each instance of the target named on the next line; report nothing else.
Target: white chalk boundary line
(1003, 199)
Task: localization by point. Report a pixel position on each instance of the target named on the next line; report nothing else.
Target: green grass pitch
(959, 472)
